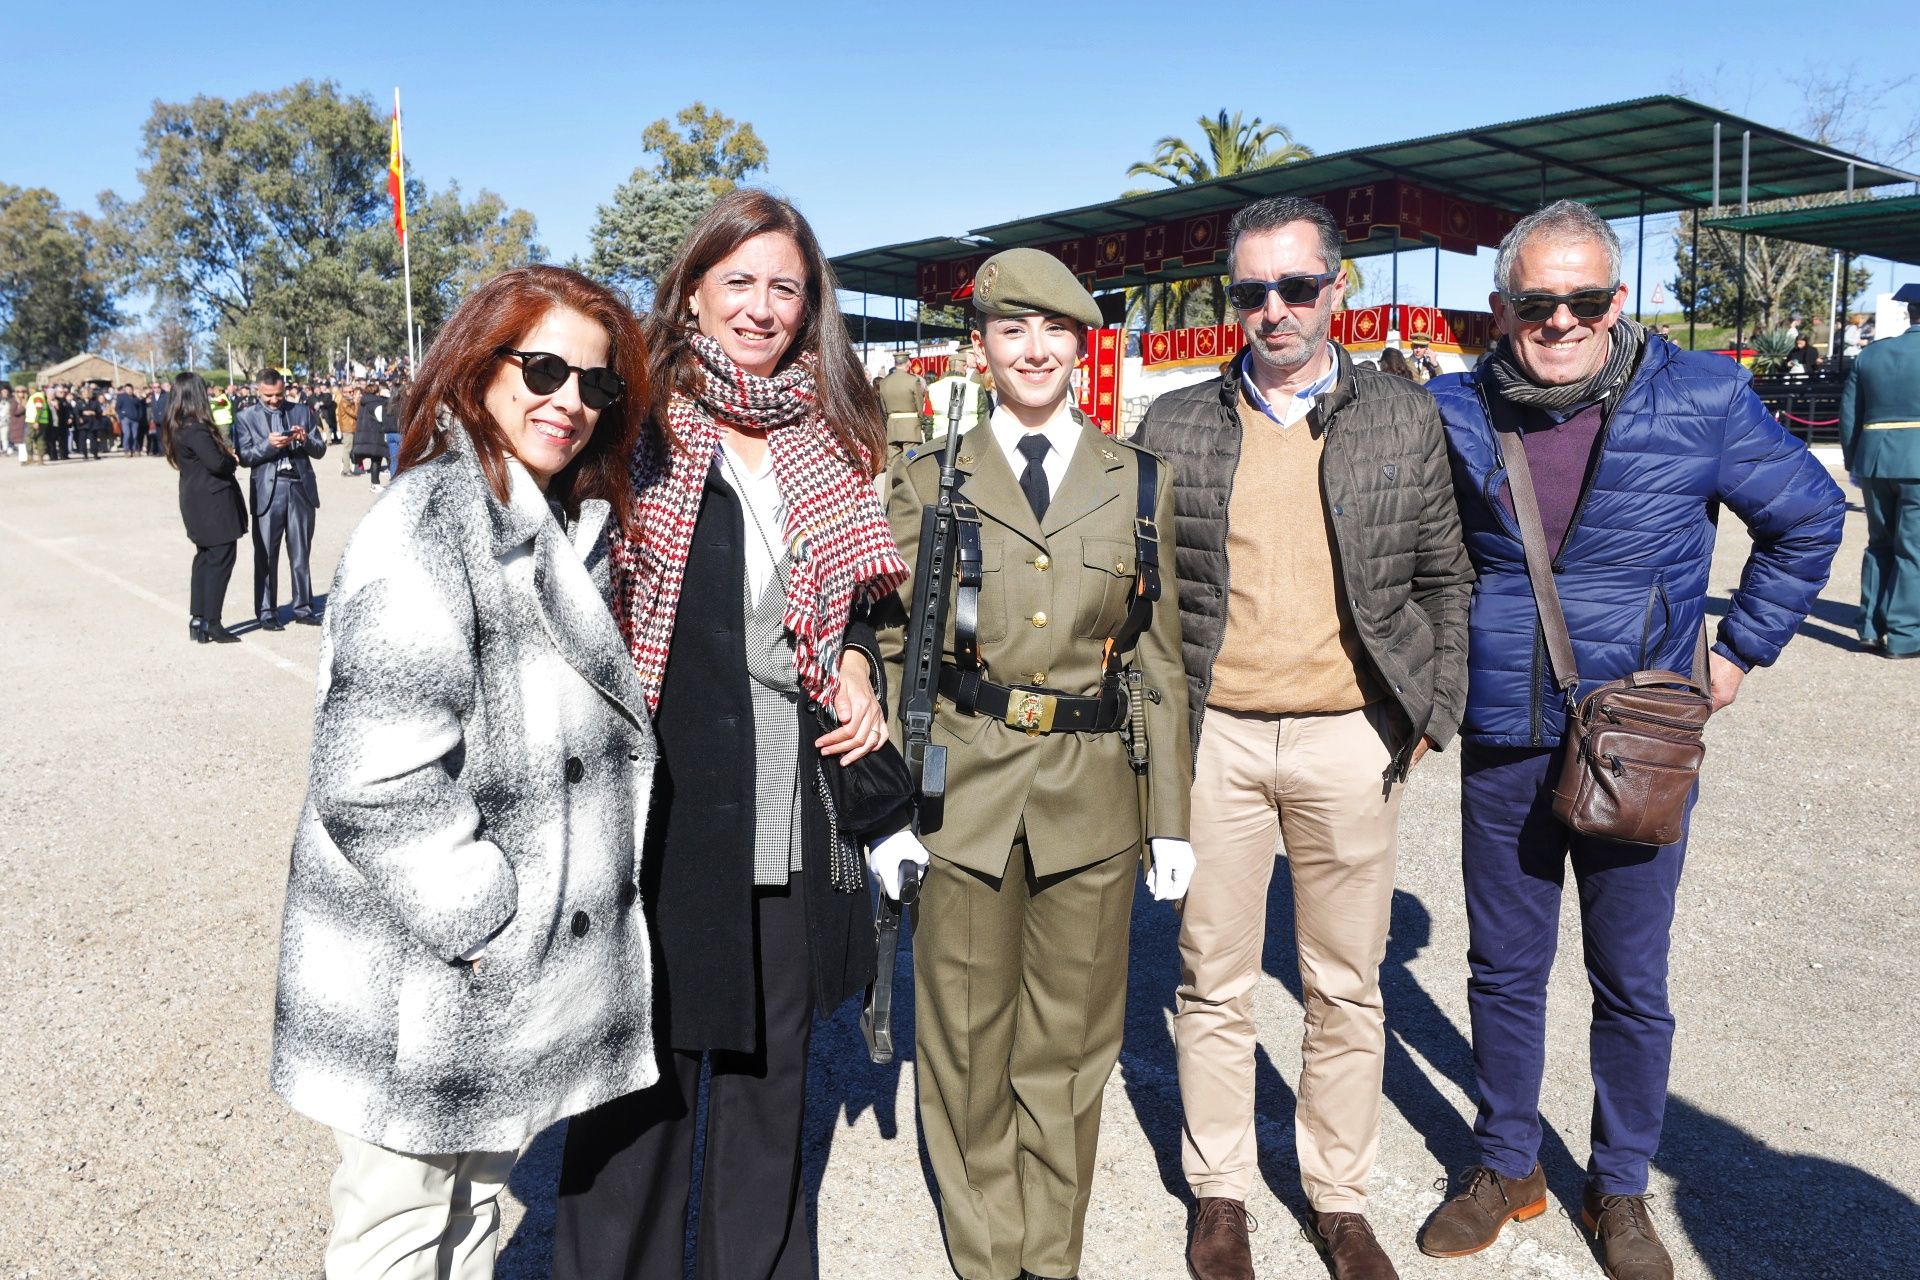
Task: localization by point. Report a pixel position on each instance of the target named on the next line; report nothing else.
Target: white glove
(1169, 869)
(886, 855)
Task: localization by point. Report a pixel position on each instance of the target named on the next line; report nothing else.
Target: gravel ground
(151, 789)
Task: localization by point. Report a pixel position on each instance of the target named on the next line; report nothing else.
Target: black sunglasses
(1538, 308)
(1295, 291)
(545, 373)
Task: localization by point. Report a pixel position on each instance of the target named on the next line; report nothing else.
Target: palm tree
(1232, 146)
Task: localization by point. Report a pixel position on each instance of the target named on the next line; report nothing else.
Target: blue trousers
(393, 455)
(1514, 855)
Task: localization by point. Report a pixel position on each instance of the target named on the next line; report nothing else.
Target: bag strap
(1146, 563)
(1533, 536)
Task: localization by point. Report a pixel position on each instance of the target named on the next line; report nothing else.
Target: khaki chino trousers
(408, 1217)
(1020, 993)
(1311, 786)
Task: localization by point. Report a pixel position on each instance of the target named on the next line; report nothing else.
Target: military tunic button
(1039, 619)
(1040, 677)
(575, 770)
(1042, 563)
(581, 924)
(1119, 566)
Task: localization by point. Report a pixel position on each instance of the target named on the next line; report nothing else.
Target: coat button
(1039, 619)
(1043, 562)
(1040, 677)
(1337, 510)
(628, 892)
(575, 770)
(581, 924)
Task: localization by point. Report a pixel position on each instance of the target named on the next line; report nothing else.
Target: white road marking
(253, 646)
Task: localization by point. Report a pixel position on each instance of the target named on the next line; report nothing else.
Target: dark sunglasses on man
(545, 373)
(1295, 291)
(1538, 308)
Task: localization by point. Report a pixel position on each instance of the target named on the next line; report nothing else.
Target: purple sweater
(1558, 457)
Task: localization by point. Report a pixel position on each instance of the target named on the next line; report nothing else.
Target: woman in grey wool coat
(463, 957)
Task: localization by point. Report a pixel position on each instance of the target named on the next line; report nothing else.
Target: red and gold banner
(932, 368)
(1098, 377)
(1362, 329)
(1422, 217)
(396, 174)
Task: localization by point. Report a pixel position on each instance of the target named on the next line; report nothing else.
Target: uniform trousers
(1313, 787)
(1514, 855)
(1020, 992)
(408, 1217)
(1890, 569)
(212, 570)
(287, 517)
(628, 1168)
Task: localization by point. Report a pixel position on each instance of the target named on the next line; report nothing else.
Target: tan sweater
(1290, 646)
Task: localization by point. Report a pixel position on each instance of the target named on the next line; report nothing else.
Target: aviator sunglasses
(545, 373)
(1295, 291)
(1538, 308)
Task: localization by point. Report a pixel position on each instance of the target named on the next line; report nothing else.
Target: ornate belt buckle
(1030, 712)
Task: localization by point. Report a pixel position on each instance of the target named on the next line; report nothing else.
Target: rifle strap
(1146, 575)
(969, 564)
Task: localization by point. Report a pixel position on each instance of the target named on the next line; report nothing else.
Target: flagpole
(406, 254)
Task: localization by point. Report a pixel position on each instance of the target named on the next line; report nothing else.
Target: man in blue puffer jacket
(1632, 444)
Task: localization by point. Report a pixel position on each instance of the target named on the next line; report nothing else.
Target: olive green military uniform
(1020, 948)
(903, 398)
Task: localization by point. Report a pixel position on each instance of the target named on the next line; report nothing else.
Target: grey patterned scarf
(1513, 385)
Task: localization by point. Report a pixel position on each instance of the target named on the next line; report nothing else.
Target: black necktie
(1033, 481)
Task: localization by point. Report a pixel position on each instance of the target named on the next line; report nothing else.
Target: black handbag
(871, 796)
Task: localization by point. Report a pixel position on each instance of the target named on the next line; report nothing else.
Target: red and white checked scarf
(841, 545)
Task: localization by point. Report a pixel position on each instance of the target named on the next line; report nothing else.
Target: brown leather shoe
(1630, 1248)
(1218, 1248)
(1352, 1252)
(1471, 1220)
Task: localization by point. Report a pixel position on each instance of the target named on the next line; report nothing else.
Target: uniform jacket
(901, 393)
(1053, 591)
(250, 431)
(1383, 471)
(1687, 433)
(1880, 410)
(210, 502)
(480, 775)
(700, 866)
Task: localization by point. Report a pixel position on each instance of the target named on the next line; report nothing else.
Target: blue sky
(891, 122)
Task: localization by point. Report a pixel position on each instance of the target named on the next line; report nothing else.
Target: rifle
(926, 763)
(876, 1018)
(927, 630)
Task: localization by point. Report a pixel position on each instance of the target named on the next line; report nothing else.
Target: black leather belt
(1033, 711)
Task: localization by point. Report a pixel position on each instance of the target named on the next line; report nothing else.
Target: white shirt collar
(1061, 431)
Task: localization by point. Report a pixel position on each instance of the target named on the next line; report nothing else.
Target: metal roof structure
(1649, 155)
(1887, 228)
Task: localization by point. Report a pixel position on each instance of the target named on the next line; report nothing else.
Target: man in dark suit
(66, 416)
(131, 413)
(278, 441)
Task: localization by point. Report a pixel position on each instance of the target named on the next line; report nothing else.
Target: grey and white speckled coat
(481, 768)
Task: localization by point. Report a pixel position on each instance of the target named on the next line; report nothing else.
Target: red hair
(460, 365)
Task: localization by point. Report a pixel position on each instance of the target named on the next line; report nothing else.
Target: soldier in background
(903, 398)
(963, 372)
(1020, 953)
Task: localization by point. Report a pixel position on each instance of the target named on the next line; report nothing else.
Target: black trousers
(286, 517)
(57, 445)
(212, 570)
(628, 1168)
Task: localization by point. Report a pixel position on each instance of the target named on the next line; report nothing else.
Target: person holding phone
(279, 442)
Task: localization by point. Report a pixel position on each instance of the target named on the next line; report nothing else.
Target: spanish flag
(396, 175)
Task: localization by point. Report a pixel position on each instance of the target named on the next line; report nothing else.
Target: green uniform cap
(1025, 282)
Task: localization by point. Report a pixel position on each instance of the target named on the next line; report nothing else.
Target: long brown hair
(847, 401)
(187, 403)
(460, 365)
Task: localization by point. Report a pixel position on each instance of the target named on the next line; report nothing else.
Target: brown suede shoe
(1352, 1252)
(1472, 1218)
(1217, 1248)
(1630, 1248)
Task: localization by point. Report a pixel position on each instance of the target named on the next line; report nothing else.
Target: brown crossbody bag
(1634, 745)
